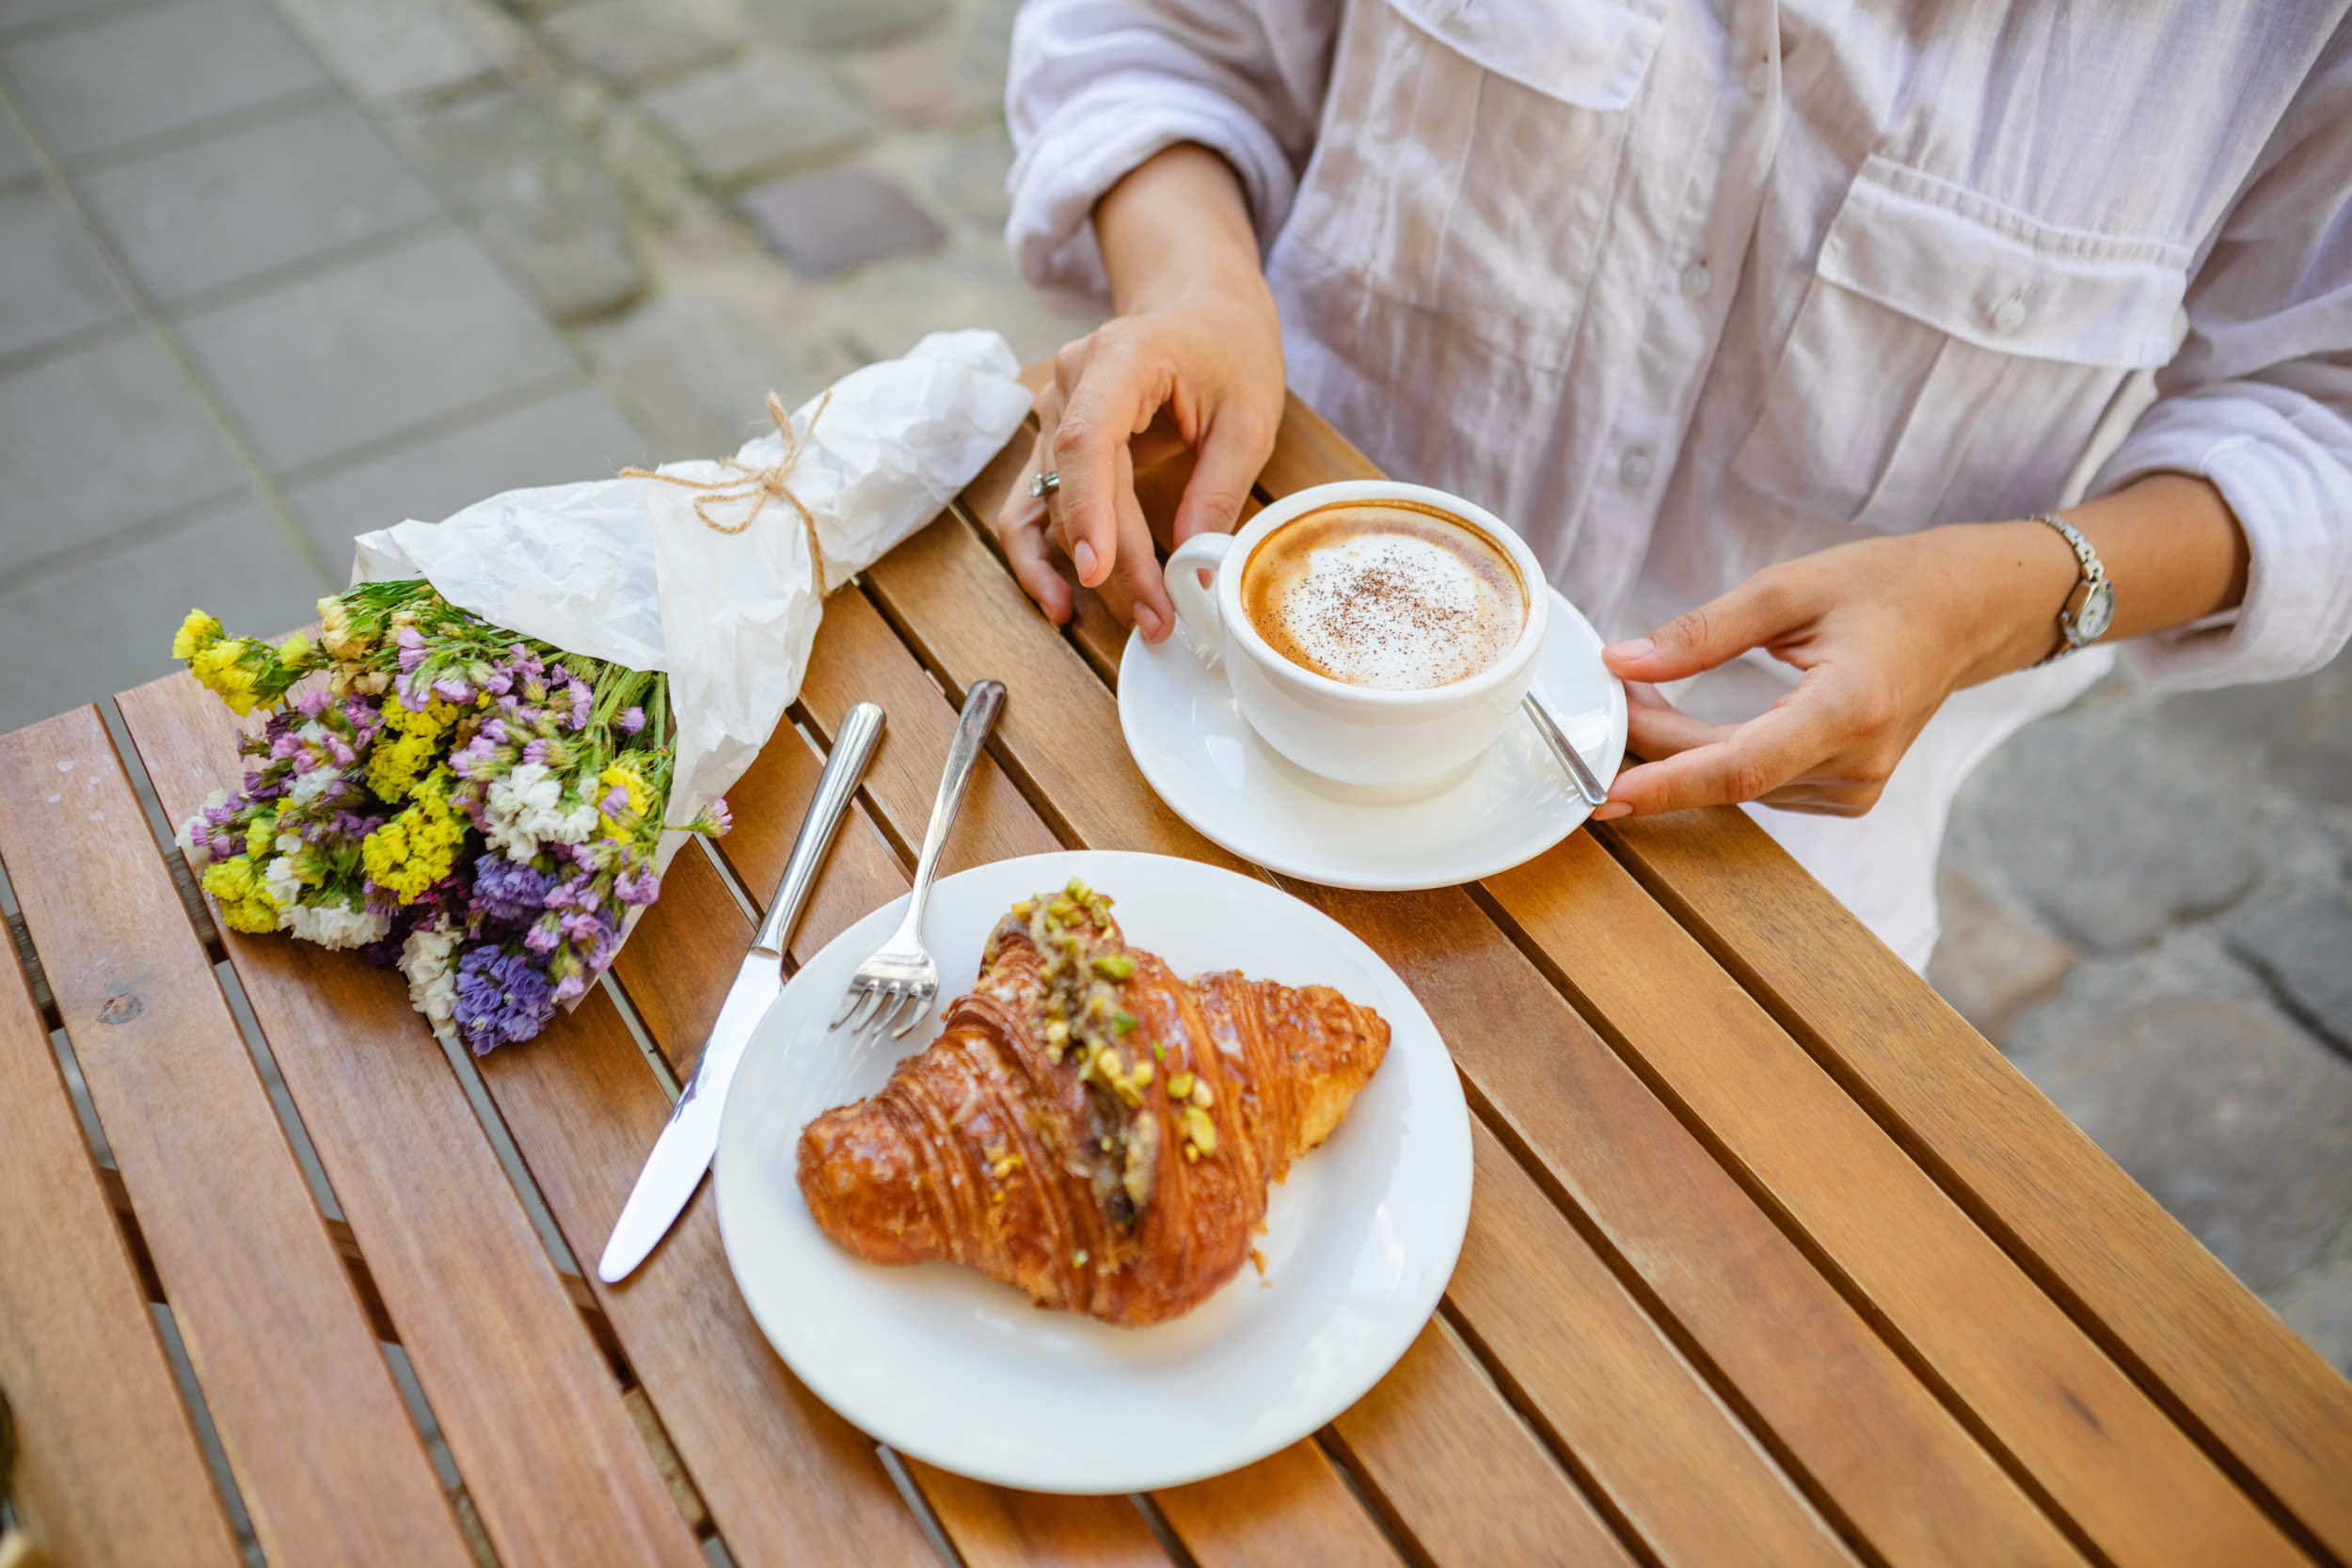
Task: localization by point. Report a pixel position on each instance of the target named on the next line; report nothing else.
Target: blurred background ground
(278, 271)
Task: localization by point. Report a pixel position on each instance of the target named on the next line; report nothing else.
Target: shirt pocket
(1952, 355)
(1468, 156)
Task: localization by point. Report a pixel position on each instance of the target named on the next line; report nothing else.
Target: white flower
(283, 882)
(526, 809)
(425, 959)
(308, 786)
(336, 926)
(195, 836)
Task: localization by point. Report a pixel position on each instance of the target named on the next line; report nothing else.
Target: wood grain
(1651, 1434)
(108, 1473)
(523, 1393)
(1290, 1509)
(1953, 1301)
(330, 1468)
(998, 1528)
(786, 1480)
(2075, 1220)
(1468, 1478)
(1906, 1476)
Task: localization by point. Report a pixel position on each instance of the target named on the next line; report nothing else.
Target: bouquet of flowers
(516, 715)
(483, 809)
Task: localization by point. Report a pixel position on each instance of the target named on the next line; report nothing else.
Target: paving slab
(575, 435)
(887, 305)
(97, 440)
(821, 223)
(81, 634)
(697, 375)
(389, 51)
(2236, 1122)
(953, 75)
(317, 368)
(766, 110)
(534, 194)
(2301, 945)
(1992, 961)
(221, 209)
(25, 16)
(844, 24)
(53, 281)
(2298, 731)
(147, 72)
(629, 42)
(16, 158)
(2318, 1305)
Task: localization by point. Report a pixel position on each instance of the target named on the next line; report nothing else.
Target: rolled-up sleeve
(1096, 86)
(2260, 403)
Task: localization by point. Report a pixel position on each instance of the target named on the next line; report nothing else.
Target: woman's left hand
(1883, 630)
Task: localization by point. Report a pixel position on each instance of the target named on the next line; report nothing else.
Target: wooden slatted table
(1771, 1259)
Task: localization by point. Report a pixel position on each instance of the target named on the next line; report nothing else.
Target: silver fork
(899, 984)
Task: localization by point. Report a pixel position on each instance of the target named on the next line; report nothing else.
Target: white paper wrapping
(622, 569)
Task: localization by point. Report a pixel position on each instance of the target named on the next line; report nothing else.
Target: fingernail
(1082, 557)
(1637, 648)
(1149, 622)
(1608, 811)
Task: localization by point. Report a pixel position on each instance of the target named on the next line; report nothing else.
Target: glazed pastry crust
(1075, 1170)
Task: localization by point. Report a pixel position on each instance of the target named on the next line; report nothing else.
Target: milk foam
(1392, 612)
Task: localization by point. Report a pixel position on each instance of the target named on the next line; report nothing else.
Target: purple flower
(545, 935)
(615, 802)
(535, 751)
(313, 701)
(411, 649)
(639, 886)
(580, 704)
(501, 997)
(510, 890)
(632, 719)
(453, 688)
(721, 820)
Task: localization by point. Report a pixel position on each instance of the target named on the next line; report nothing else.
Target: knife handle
(852, 749)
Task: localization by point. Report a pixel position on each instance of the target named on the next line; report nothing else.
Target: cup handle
(1196, 606)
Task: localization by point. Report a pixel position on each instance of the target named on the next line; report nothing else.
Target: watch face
(2090, 623)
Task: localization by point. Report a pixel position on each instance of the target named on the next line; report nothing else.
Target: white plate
(939, 1362)
(1189, 737)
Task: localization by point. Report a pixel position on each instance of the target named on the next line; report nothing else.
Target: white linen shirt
(1682, 287)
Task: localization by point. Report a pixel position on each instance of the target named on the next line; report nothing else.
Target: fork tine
(885, 1024)
(868, 1003)
(919, 1006)
(849, 999)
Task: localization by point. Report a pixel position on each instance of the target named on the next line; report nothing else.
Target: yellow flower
(393, 766)
(227, 669)
(416, 848)
(260, 834)
(640, 798)
(336, 631)
(296, 651)
(197, 633)
(244, 902)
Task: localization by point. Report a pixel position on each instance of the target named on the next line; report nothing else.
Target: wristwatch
(2089, 610)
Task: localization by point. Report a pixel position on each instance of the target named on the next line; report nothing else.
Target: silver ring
(1045, 483)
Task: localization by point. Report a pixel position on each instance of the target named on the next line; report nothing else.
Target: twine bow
(758, 486)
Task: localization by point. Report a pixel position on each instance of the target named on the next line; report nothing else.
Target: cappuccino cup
(1375, 634)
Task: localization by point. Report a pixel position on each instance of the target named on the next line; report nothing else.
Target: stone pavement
(276, 272)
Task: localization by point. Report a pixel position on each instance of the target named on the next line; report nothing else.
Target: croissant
(1087, 1126)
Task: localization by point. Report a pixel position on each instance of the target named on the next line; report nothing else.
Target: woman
(1771, 328)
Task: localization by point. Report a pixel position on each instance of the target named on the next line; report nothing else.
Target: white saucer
(952, 1368)
(1189, 737)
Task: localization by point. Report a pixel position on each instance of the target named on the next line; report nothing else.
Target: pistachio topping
(1179, 1085)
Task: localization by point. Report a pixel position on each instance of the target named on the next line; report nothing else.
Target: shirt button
(1698, 279)
(1759, 78)
(1635, 468)
(2009, 316)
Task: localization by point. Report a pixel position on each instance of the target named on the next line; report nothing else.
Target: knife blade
(682, 1154)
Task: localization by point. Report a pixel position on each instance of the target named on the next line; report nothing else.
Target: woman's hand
(1885, 629)
(1193, 359)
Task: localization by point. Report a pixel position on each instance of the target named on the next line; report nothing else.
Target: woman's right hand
(1193, 359)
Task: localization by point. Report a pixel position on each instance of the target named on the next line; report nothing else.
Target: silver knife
(682, 1154)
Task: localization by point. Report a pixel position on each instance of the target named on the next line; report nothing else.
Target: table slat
(2107, 1456)
(109, 1474)
(786, 1480)
(329, 1466)
(1909, 1479)
(524, 1396)
(1649, 1431)
(1290, 1509)
(1468, 1477)
(2077, 1221)
(998, 1528)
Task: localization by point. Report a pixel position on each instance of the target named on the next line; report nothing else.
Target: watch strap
(2093, 576)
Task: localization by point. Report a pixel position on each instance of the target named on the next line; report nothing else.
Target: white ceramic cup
(1354, 735)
